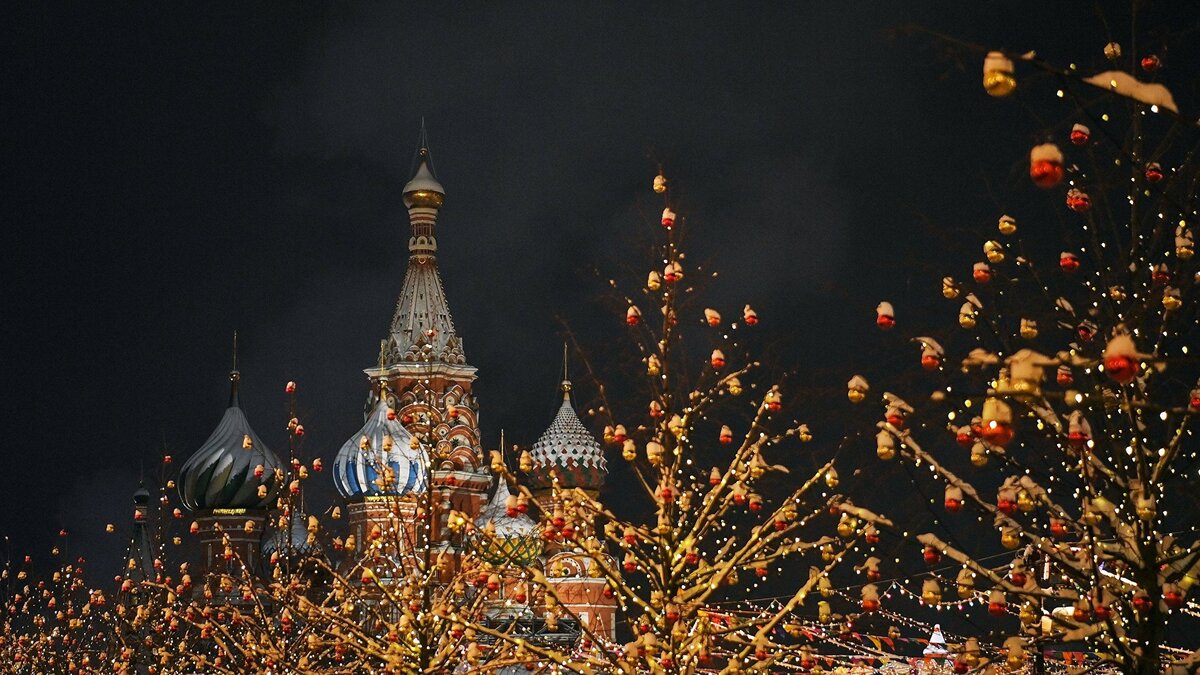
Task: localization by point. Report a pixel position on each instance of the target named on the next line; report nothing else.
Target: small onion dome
(220, 475)
(424, 190)
(298, 547)
(380, 443)
(569, 450)
(503, 539)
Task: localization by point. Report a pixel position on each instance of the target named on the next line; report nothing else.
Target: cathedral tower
(422, 415)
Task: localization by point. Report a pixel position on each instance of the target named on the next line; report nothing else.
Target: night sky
(175, 172)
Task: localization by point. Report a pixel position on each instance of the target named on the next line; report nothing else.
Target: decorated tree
(1050, 427)
(711, 509)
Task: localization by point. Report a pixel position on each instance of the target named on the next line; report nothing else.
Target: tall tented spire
(422, 330)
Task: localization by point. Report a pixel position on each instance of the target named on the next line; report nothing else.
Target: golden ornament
(846, 527)
(1029, 329)
(1029, 614)
(1009, 539)
(1007, 225)
(1025, 501)
(994, 252)
(998, 78)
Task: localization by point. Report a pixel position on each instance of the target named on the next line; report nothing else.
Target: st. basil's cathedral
(416, 460)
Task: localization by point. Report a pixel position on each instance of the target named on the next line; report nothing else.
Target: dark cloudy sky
(173, 172)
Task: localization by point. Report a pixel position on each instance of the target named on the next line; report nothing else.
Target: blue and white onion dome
(382, 459)
(506, 535)
(567, 449)
(234, 469)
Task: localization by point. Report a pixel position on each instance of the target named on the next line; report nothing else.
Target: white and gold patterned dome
(569, 451)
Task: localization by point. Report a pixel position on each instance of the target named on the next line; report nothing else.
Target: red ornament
(1154, 172)
(982, 274)
(607, 592)
(1102, 612)
(931, 362)
(1142, 602)
(871, 537)
(997, 608)
(717, 361)
(872, 575)
(780, 525)
(1078, 200)
(667, 494)
(299, 431)
(1078, 439)
(961, 666)
(692, 558)
(1086, 330)
(1018, 579)
(761, 572)
(1194, 402)
(932, 556)
(1065, 377)
(1069, 262)
(869, 605)
(965, 437)
(1173, 598)
(1121, 367)
(1006, 506)
(290, 388)
(1045, 165)
(668, 218)
(726, 439)
(406, 419)
(896, 420)
(1151, 63)
(885, 322)
(998, 433)
(630, 566)
(1081, 614)
(633, 316)
(954, 505)
(1080, 134)
(519, 597)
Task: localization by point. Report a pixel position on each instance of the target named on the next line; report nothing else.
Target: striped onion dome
(513, 539)
(568, 449)
(380, 443)
(221, 474)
